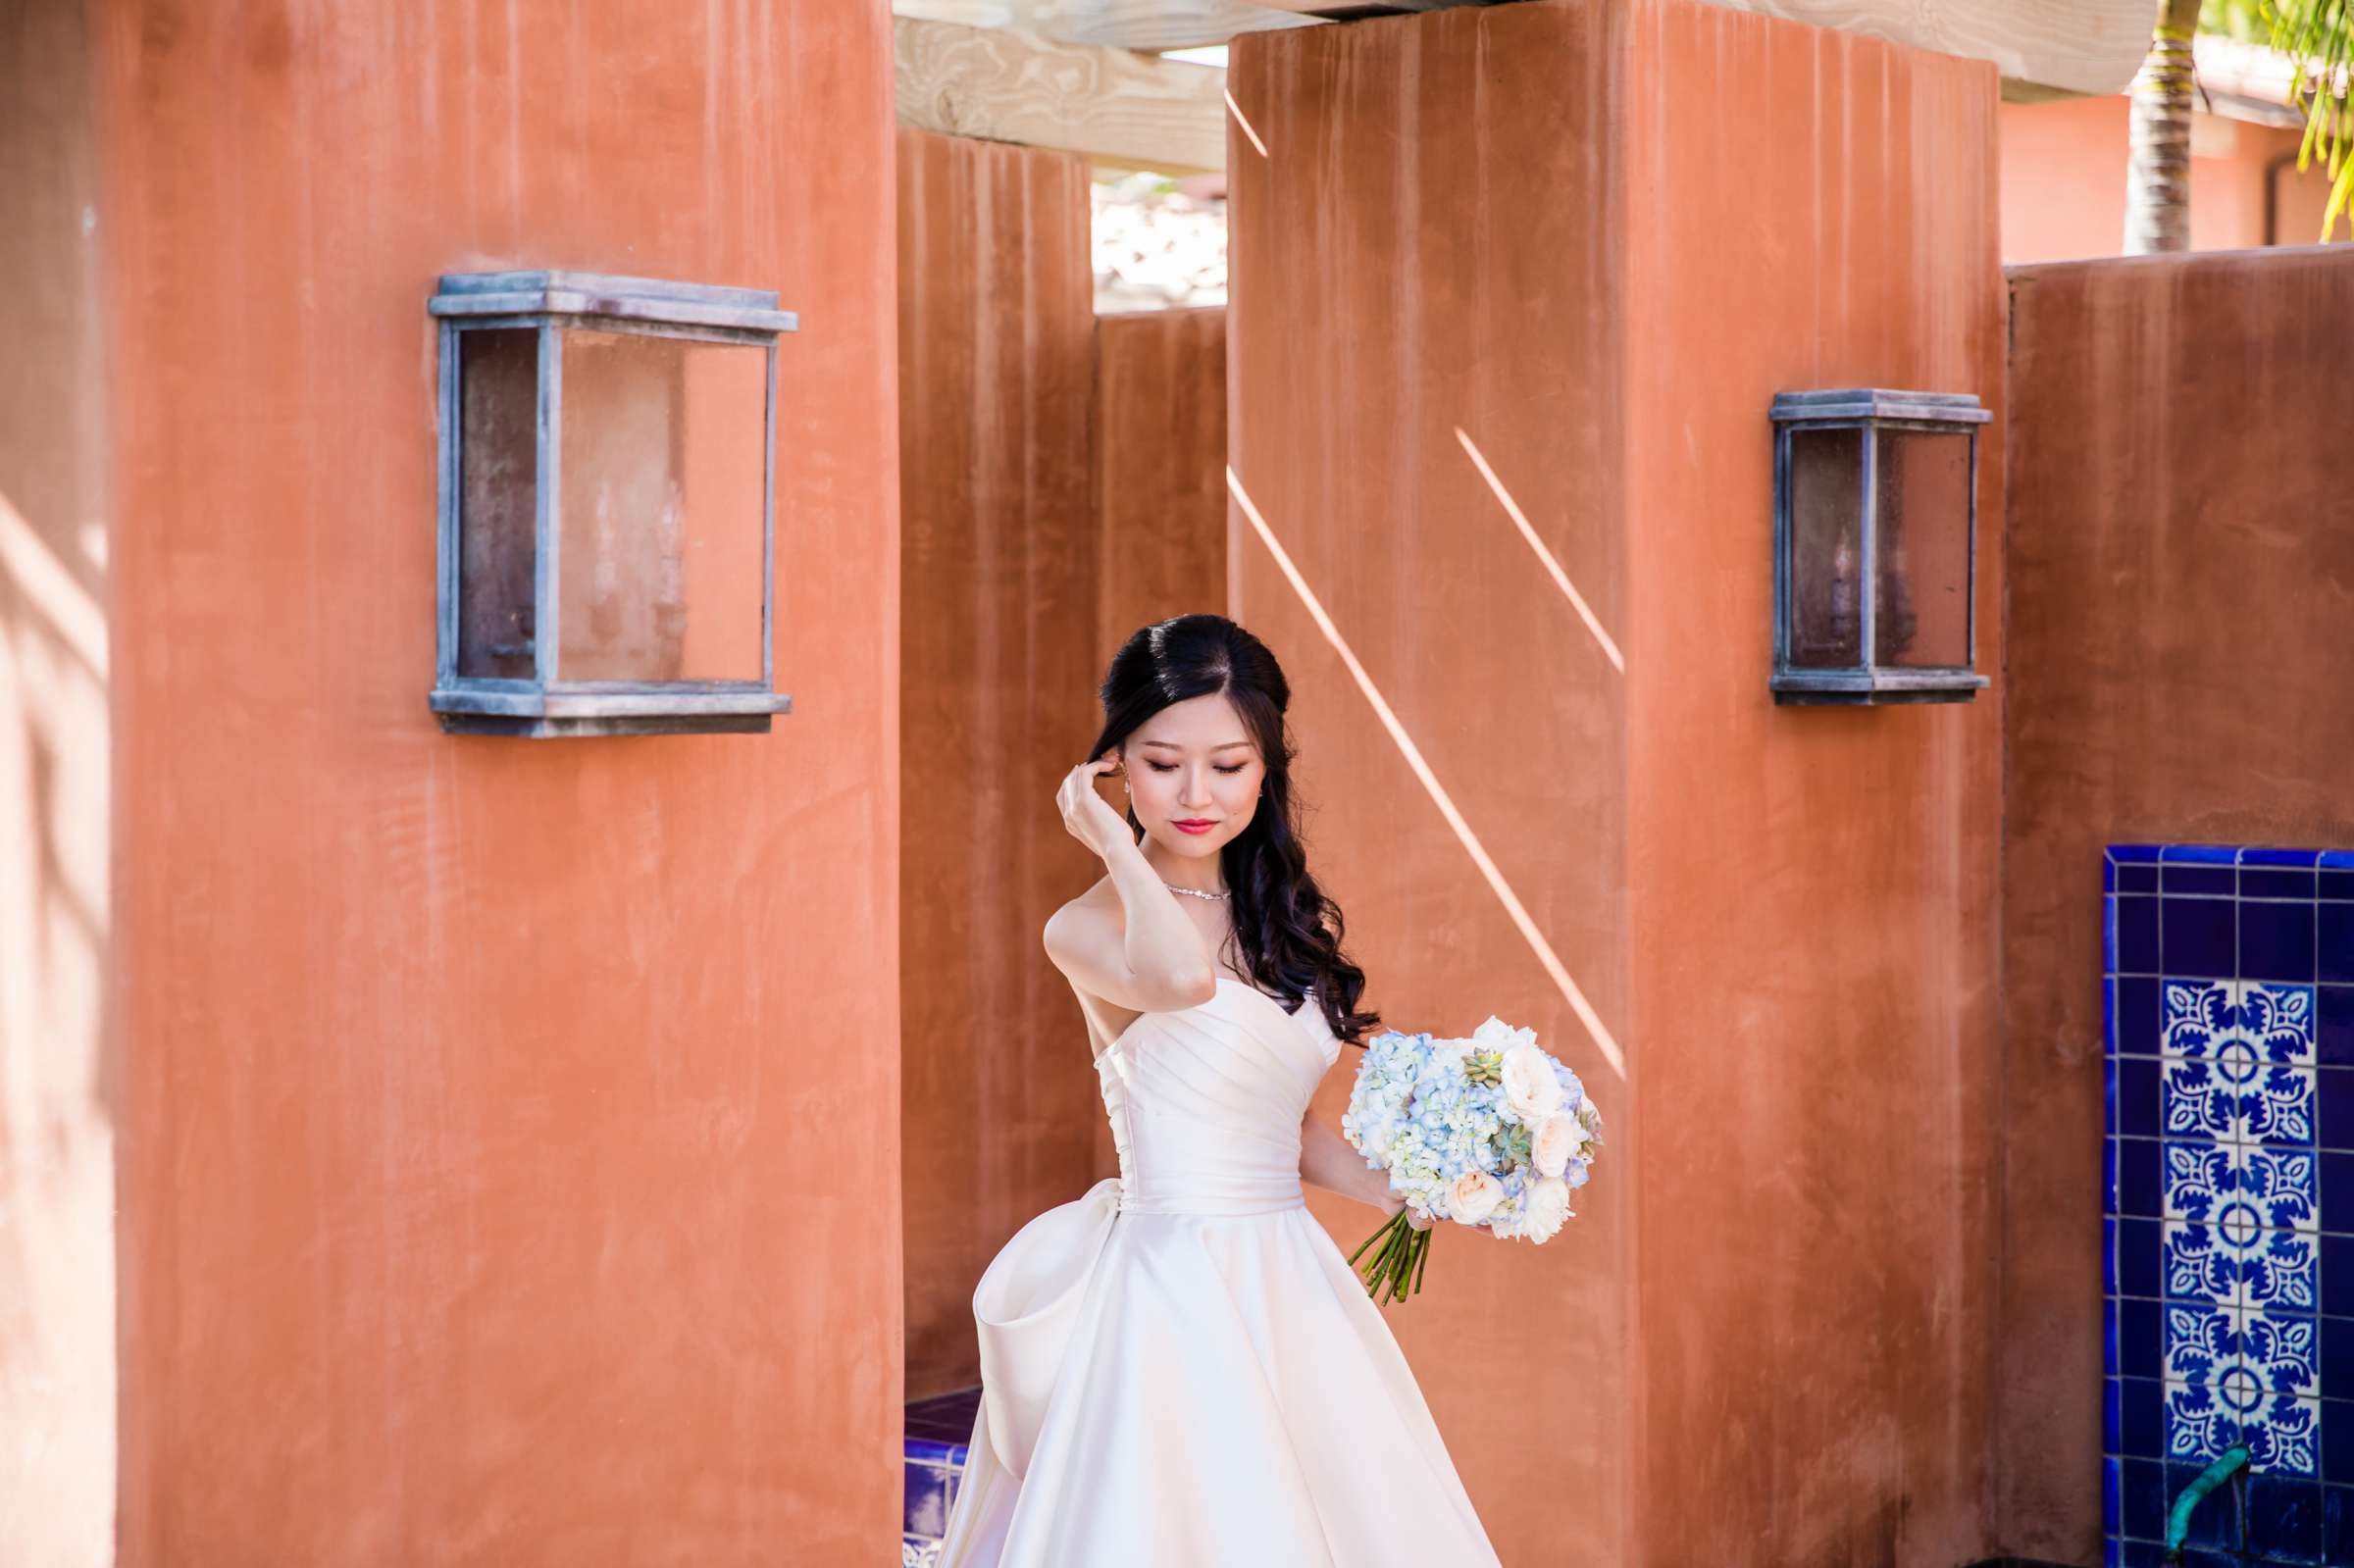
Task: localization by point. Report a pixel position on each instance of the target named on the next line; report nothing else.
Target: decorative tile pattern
(2227, 1177)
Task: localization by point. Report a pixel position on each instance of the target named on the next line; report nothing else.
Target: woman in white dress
(1179, 1368)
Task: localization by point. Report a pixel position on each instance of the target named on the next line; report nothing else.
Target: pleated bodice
(1205, 1102)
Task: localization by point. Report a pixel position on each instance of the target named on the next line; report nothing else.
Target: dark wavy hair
(1288, 929)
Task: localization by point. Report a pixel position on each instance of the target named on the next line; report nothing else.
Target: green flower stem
(1387, 1235)
(1395, 1270)
(1418, 1248)
(1370, 1239)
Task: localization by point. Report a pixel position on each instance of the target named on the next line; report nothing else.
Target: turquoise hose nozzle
(2177, 1521)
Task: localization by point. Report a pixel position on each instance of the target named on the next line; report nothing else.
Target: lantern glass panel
(498, 449)
(1921, 552)
(662, 472)
(1826, 559)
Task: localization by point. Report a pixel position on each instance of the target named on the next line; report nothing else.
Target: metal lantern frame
(1869, 410)
(551, 303)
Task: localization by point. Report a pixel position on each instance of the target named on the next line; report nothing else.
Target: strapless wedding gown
(1180, 1369)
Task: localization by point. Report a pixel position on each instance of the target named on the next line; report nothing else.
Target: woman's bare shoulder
(1083, 923)
(1095, 915)
(1094, 908)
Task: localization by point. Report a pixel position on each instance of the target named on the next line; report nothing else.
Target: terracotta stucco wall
(996, 345)
(2180, 584)
(1766, 1339)
(1814, 890)
(1406, 319)
(57, 1083)
(2064, 182)
(1159, 471)
(509, 1146)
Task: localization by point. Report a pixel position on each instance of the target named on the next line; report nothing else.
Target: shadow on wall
(57, 1181)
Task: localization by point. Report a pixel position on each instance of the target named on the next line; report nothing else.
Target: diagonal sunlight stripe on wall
(1502, 889)
(1244, 121)
(1560, 579)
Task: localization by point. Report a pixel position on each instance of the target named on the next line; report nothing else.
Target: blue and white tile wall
(937, 1430)
(2230, 1199)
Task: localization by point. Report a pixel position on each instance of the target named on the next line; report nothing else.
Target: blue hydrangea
(1420, 1111)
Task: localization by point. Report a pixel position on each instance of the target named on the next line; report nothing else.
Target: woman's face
(1193, 763)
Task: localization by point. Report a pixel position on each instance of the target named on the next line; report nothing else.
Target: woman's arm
(1150, 959)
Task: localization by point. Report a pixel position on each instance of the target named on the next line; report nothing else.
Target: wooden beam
(1104, 104)
(1110, 24)
(2086, 45)
(2042, 48)
(2083, 45)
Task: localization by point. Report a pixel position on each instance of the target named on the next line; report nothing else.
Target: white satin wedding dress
(1180, 1369)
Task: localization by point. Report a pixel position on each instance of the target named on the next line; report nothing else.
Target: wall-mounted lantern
(1876, 503)
(607, 505)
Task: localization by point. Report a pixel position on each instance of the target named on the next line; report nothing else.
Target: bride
(1179, 1368)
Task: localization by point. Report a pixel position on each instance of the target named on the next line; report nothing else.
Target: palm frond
(2318, 38)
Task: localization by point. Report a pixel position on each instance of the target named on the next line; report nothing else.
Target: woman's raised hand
(1090, 821)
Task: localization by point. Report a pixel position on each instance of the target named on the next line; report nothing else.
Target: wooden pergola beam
(1110, 24)
(2087, 46)
(999, 80)
(1107, 104)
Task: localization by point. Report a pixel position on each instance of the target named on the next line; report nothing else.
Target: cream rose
(1474, 1196)
(1544, 1205)
(1530, 1088)
(1494, 1035)
(1556, 1138)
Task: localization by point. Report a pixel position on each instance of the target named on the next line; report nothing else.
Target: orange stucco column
(1062, 482)
(1815, 890)
(996, 345)
(1513, 292)
(1424, 349)
(509, 1155)
(1159, 471)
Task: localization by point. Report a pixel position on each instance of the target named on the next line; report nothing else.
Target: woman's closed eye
(1168, 767)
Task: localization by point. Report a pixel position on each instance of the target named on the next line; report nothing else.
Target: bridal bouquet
(1490, 1131)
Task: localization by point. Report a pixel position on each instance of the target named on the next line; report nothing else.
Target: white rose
(1474, 1196)
(1530, 1088)
(1546, 1205)
(1494, 1035)
(1556, 1136)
